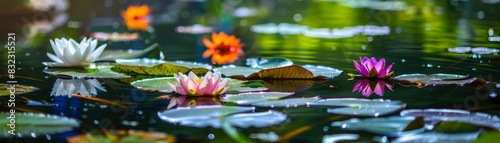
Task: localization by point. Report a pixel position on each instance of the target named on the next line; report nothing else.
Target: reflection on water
(367, 87)
(68, 87)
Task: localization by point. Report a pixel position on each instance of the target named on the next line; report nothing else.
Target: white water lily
(69, 53)
(68, 87)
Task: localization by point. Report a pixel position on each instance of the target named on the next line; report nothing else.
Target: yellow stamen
(197, 80)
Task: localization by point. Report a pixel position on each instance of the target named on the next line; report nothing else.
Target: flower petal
(54, 58)
(96, 53)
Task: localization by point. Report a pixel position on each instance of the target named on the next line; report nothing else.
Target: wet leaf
(421, 80)
(287, 102)
(390, 126)
(323, 71)
(29, 124)
(434, 137)
(435, 116)
(18, 89)
(359, 107)
(251, 97)
(284, 85)
(351, 138)
(123, 136)
(238, 72)
(288, 72)
(164, 69)
(271, 63)
(202, 116)
(103, 71)
(488, 137)
(455, 127)
(112, 55)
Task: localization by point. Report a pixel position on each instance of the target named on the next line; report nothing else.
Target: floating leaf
(202, 116)
(161, 85)
(153, 62)
(421, 80)
(390, 126)
(271, 63)
(433, 137)
(287, 85)
(455, 127)
(288, 72)
(355, 138)
(287, 102)
(359, 107)
(488, 137)
(164, 69)
(29, 124)
(258, 119)
(68, 87)
(123, 136)
(476, 50)
(323, 71)
(5, 89)
(246, 98)
(112, 55)
(236, 71)
(434, 116)
(97, 72)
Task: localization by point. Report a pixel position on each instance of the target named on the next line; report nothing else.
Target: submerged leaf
(434, 116)
(421, 80)
(28, 124)
(5, 89)
(359, 107)
(390, 126)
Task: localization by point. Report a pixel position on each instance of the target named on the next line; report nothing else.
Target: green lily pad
(101, 71)
(29, 124)
(286, 72)
(359, 107)
(239, 72)
(247, 98)
(112, 55)
(164, 69)
(421, 80)
(153, 62)
(287, 102)
(389, 126)
(160, 85)
(19, 89)
(455, 127)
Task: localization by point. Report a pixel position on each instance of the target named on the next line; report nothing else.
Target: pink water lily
(191, 85)
(368, 87)
(371, 68)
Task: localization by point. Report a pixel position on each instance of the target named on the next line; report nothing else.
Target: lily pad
(153, 62)
(18, 89)
(323, 71)
(112, 55)
(271, 63)
(434, 116)
(287, 102)
(359, 107)
(488, 137)
(390, 126)
(202, 116)
(421, 80)
(236, 71)
(433, 137)
(29, 124)
(258, 119)
(251, 97)
(97, 72)
(475, 50)
(160, 84)
(455, 127)
(288, 72)
(68, 87)
(164, 69)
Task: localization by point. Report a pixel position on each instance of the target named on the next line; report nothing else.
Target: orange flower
(223, 48)
(136, 17)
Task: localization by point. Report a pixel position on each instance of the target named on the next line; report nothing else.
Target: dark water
(420, 34)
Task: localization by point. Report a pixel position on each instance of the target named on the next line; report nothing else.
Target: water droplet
(490, 32)
(403, 60)
(325, 128)
(243, 22)
(96, 122)
(480, 15)
(297, 17)
(211, 136)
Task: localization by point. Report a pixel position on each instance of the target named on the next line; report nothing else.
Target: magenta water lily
(191, 85)
(371, 68)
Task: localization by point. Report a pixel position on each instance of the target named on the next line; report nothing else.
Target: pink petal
(380, 65)
(192, 75)
(367, 91)
(192, 86)
(357, 86)
(386, 70)
(203, 87)
(379, 88)
(361, 70)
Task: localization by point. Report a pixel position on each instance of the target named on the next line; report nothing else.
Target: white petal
(54, 58)
(96, 53)
(192, 75)
(57, 51)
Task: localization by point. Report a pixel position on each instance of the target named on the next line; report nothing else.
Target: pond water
(417, 36)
